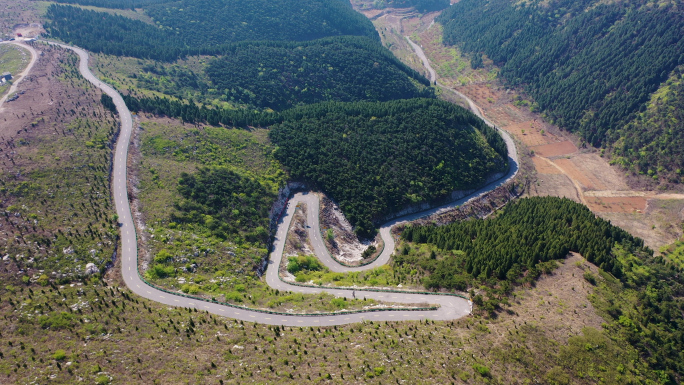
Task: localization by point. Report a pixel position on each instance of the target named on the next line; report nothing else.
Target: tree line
(589, 65)
(376, 158)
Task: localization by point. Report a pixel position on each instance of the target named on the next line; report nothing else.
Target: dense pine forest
(527, 232)
(223, 22)
(641, 295)
(282, 75)
(376, 158)
(590, 66)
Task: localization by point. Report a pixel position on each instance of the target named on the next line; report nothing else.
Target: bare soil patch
(658, 225)
(297, 241)
(530, 133)
(557, 185)
(598, 169)
(588, 182)
(559, 301)
(555, 149)
(617, 205)
(543, 166)
(339, 237)
(39, 95)
(19, 12)
(29, 30)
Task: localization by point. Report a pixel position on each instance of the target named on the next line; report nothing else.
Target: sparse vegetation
(55, 182)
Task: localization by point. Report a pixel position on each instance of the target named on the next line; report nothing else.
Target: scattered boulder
(91, 269)
(68, 250)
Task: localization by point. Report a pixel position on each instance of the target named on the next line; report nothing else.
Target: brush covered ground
(103, 334)
(56, 152)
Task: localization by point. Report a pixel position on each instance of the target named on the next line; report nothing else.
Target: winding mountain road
(451, 307)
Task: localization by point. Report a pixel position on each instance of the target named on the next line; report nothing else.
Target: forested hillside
(281, 75)
(653, 143)
(640, 295)
(191, 28)
(590, 65)
(528, 232)
(375, 158)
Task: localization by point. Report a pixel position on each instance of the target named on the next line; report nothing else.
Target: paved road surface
(19, 77)
(450, 307)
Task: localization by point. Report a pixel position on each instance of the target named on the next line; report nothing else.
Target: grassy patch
(13, 60)
(451, 65)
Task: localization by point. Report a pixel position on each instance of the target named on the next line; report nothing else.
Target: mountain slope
(191, 28)
(590, 65)
(376, 158)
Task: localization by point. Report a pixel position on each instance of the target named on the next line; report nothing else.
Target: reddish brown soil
(617, 205)
(532, 135)
(555, 149)
(588, 181)
(543, 166)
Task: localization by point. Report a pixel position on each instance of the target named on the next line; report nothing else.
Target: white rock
(68, 250)
(91, 269)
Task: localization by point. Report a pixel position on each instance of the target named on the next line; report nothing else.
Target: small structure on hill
(6, 76)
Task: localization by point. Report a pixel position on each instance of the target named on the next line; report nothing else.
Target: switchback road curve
(450, 307)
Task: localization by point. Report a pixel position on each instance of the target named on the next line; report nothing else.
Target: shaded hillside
(590, 65)
(376, 158)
